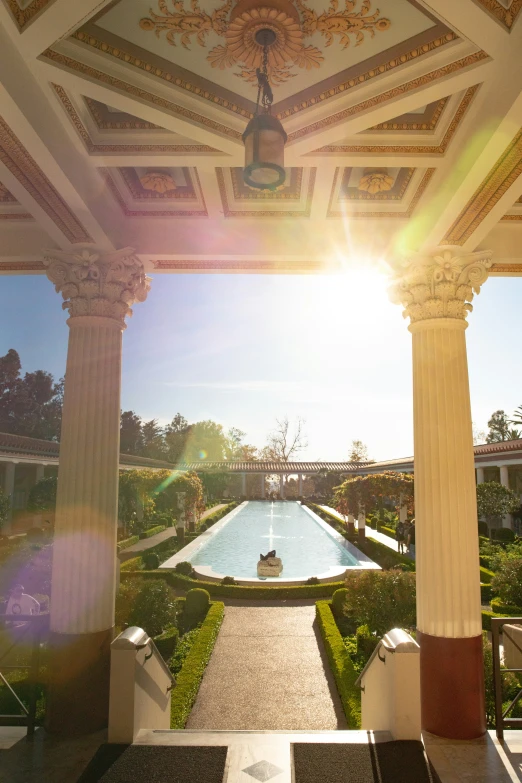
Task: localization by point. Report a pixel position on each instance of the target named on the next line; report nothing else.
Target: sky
(244, 350)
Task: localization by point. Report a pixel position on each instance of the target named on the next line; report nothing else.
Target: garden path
(147, 543)
(268, 671)
(382, 538)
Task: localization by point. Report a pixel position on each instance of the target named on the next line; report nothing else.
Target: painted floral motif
(238, 25)
(158, 181)
(376, 181)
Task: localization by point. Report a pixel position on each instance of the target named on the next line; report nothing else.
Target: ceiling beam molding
(43, 22)
(467, 17)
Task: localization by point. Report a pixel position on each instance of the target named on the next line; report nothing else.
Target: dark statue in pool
(272, 553)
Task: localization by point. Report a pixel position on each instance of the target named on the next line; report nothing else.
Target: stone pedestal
(98, 289)
(273, 566)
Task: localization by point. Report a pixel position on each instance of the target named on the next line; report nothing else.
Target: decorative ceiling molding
(507, 16)
(23, 16)
(92, 73)
(156, 213)
(421, 149)
(512, 217)
(281, 213)
(15, 216)
(396, 192)
(170, 73)
(242, 265)
(104, 120)
(506, 269)
(370, 103)
(504, 173)
(20, 163)
(128, 149)
(411, 122)
(142, 64)
(350, 213)
(22, 266)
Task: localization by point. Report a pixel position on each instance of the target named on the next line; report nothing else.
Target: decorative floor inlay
(263, 770)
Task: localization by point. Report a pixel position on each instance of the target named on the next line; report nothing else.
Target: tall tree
(153, 443)
(285, 441)
(131, 435)
(358, 452)
(206, 441)
(498, 427)
(176, 436)
(31, 405)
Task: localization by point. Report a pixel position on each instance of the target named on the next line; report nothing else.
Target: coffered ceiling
(121, 125)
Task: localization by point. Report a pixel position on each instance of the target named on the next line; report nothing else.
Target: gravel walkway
(268, 671)
(147, 543)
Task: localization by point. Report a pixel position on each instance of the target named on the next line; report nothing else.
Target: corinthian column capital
(97, 283)
(440, 283)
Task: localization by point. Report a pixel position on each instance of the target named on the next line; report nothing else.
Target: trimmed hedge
(167, 642)
(218, 590)
(341, 663)
(211, 519)
(152, 531)
(498, 606)
(127, 542)
(486, 575)
(504, 534)
(189, 679)
(486, 593)
(133, 565)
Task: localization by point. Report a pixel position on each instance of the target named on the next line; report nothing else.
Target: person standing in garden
(400, 537)
(411, 540)
(406, 534)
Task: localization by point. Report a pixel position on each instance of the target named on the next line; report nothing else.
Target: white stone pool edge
(207, 573)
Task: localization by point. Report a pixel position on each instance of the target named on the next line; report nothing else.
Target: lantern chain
(265, 96)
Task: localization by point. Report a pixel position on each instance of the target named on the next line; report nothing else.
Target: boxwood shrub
(341, 663)
(166, 642)
(152, 531)
(134, 564)
(218, 590)
(486, 575)
(189, 679)
(127, 542)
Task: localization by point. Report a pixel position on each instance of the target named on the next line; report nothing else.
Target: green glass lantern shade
(264, 140)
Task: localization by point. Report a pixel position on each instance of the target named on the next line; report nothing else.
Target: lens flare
(203, 454)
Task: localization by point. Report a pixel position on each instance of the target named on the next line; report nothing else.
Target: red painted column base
(452, 686)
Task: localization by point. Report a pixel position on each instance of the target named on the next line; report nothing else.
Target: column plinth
(98, 289)
(436, 291)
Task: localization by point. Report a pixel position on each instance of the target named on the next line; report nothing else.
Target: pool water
(301, 542)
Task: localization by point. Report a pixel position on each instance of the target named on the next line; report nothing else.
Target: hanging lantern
(264, 137)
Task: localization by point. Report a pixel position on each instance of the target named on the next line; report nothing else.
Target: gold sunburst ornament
(376, 181)
(291, 24)
(158, 181)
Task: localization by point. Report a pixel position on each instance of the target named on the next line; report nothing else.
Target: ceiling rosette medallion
(291, 24)
(376, 181)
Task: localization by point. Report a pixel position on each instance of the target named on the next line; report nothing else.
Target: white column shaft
(84, 563)
(9, 479)
(448, 583)
(504, 480)
(480, 475)
(263, 485)
(300, 490)
(243, 484)
(282, 485)
(40, 472)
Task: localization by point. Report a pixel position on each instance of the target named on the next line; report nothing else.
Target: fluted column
(436, 290)
(282, 485)
(480, 475)
(504, 480)
(98, 290)
(300, 487)
(243, 485)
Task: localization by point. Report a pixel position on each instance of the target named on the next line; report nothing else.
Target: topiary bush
(184, 568)
(381, 599)
(197, 603)
(202, 527)
(313, 580)
(339, 602)
(154, 608)
(483, 529)
(167, 642)
(507, 582)
(366, 642)
(504, 534)
(151, 561)
(228, 580)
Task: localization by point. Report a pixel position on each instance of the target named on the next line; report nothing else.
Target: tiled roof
(267, 466)
(499, 447)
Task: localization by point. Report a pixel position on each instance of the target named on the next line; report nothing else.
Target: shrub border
(127, 542)
(189, 678)
(216, 589)
(341, 664)
(152, 531)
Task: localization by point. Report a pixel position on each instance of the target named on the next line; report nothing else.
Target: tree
(517, 416)
(153, 444)
(498, 427)
(479, 436)
(494, 501)
(31, 405)
(176, 436)
(206, 442)
(131, 435)
(285, 441)
(358, 452)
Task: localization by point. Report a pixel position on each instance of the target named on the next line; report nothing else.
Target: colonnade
(262, 487)
(435, 290)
